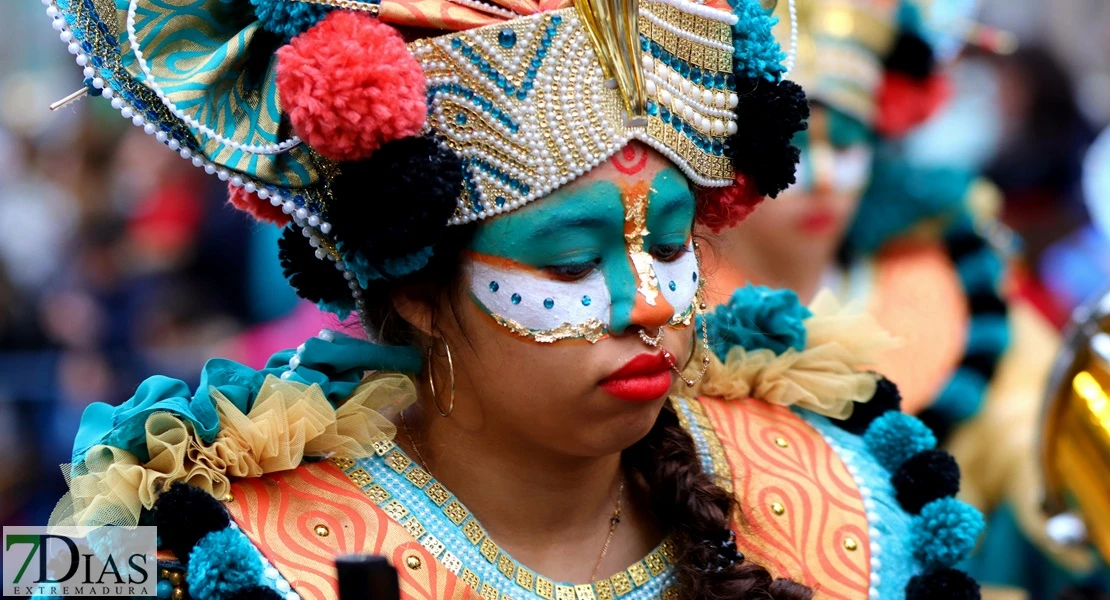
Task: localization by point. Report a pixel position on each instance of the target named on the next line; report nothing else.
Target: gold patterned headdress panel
(529, 106)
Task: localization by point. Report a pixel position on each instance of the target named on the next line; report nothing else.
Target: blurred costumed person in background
(918, 247)
(505, 194)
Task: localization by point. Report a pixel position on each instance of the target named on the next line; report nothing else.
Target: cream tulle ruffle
(287, 422)
(828, 377)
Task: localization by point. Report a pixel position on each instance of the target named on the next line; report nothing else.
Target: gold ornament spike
(614, 27)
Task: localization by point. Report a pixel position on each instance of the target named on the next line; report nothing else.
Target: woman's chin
(616, 430)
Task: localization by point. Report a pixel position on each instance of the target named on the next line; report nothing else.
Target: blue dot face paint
(588, 260)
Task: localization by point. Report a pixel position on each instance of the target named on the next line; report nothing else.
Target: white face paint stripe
(678, 280)
(852, 167)
(846, 170)
(536, 302)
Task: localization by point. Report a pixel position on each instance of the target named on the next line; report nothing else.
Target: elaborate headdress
(371, 139)
(872, 60)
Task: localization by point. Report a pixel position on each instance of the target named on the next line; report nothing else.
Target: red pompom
(349, 85)
(724, 207)
(258, 208)
(905, 103)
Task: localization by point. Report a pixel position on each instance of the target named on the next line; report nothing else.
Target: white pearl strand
(873, 534)
(682, 33)
(686, 103)
(295, 361)
(152, 83)
(313, 227)
(489, 8)
(701, 10)
(792, 56)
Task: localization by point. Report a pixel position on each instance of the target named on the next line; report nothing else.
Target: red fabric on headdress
(904, 102)
(256, 207)
(725, 207)
(349, 84)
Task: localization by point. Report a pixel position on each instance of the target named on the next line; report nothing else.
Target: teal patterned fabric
(216, 63)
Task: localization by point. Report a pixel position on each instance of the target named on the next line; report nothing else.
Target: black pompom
(886, 398)
(949, 584)
(924, 477)
(939, 423)
(397, 201)
(314, 279)
(768, 116)
(184, 514)
(911, 56)
(254, 592)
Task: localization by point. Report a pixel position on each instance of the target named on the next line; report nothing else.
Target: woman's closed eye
(573, 271)
(668, 252)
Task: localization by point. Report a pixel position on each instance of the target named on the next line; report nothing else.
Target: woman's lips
(817, 222)
(644, 379)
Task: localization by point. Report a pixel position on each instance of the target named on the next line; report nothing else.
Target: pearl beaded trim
(792, 55)
(295, 361)
(715, 103)
(873, 534)
(693, 37)
(489, 8)
(312, 225)
(152, 83)
(701, 10)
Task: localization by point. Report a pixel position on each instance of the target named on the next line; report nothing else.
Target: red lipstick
(643, 379)
(817, 222)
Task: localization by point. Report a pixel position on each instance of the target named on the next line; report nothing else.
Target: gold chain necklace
(614, 521)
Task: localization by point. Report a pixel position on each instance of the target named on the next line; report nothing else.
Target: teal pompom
(895, 436)
(980, 271)
(287, 19)
(392, 268)
(222, 563)
(758, 317)
(945, 532)
(756, 54)
(989, 334)
(962, 396)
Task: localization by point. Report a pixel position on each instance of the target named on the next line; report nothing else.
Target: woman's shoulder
(856, 508)
(239, 423)
(839, 490)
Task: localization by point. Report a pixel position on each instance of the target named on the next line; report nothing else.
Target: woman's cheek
(533, 306)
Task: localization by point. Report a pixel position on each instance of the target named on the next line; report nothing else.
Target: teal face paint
(836, 151)
(561, 268)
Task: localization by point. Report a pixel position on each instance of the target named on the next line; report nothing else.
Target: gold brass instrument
(1075, 439)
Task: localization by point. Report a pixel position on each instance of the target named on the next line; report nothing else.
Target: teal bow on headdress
(213, 63)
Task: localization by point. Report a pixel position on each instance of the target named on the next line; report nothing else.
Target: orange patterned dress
(814, 507)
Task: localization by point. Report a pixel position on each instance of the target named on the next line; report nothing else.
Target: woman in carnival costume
(505, 195)
(916, 246)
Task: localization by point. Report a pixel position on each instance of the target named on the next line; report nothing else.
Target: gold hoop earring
(432, 379)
